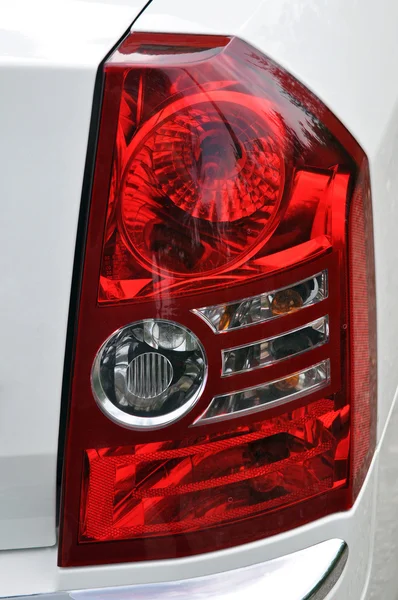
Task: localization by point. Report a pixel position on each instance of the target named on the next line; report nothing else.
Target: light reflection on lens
(267, 395)
(264, 307)
(265, 352)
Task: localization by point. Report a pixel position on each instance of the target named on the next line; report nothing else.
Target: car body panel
(49, 56)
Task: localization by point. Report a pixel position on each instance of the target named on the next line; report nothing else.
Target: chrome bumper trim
(308, 574)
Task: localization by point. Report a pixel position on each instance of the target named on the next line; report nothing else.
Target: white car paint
(346, 52)
(49, 55)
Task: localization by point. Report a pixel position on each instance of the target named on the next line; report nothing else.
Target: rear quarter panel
(49, 54)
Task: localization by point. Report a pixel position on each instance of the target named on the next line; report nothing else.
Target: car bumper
(309, 573)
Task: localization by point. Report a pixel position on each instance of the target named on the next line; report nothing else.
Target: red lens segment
(227, 305)
(152, 490)
(208, 159)
(205, 161)
(363, 333)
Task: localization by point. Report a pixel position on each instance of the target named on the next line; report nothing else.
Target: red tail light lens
(151, 490)
(226, 200)
(211, 173)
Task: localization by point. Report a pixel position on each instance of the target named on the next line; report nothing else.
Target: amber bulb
(287, 384)
(225, 319)
(286, 301)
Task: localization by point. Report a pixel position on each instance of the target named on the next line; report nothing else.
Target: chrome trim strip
(315, 324)
(308, 574)
(332, 576)
(257, 408)
(311, 301)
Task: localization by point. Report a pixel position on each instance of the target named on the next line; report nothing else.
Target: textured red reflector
(363, 333)
(171, 487)
(226, 199)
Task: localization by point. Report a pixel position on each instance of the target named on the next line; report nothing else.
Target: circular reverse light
(149, 374)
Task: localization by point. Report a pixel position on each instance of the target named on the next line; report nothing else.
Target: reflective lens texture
(264, 307)
(151, 491)
(218, 162)
(149, 373)
(271, 350)
(267, 395)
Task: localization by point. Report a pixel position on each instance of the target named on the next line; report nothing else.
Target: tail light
(224, 379)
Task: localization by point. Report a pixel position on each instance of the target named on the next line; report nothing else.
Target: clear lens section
(271, 350)
(270, 305)
(267, 395)
(149, 373)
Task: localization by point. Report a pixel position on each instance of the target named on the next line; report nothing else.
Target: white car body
(346, 53)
